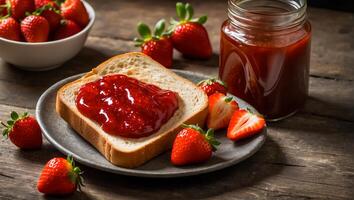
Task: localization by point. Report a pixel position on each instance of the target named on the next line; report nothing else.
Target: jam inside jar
(265, 54)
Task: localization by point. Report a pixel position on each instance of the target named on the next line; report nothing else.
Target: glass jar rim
(263, 17)
(302, 6)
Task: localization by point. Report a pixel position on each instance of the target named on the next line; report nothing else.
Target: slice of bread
(128, 152)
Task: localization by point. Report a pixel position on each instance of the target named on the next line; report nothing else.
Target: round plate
(59, 133)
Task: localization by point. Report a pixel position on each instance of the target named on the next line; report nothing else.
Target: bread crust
(115, 156)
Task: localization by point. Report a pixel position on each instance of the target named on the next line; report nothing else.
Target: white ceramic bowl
(45, 55)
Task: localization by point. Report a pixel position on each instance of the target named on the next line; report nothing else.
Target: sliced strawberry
(244, 124)
(221, 108)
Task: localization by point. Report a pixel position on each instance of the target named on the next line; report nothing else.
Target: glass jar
(265, 54)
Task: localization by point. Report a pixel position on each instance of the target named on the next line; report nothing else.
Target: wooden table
(308, 156)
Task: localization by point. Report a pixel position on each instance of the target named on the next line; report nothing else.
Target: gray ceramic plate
(57, 131)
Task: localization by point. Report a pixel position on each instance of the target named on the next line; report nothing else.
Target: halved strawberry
(244, 124)
(221, 108)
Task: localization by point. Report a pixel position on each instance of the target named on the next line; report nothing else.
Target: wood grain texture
(308, 156)
(298, 161)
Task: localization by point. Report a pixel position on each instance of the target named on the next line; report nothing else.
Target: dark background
(343, 5)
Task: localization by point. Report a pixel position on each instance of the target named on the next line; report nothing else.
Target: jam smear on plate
(125, 106)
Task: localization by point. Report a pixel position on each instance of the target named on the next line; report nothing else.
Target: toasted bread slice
(128, 152)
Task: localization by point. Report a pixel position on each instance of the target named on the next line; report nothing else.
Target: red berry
(76, 11)
(211, 86)
(189, 36)
(20, 7)
(156, 45)
(10, 29)
(35, 29)
(160, 50)
(192, 145)
(59, 177)
(53, 19)
(67, 29)
(192, 40)
(23, 131)
(41, 3)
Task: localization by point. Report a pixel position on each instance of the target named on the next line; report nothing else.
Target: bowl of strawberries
(39, 35)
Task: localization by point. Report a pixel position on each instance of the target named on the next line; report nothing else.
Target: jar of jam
(265, 54)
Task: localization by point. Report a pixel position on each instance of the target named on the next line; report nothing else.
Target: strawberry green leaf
(5, 133)
(209, 136)
(159, 28)
(14, 115)
(144, 31)
(189, 11)
(228, 99)
(202, 19)
(138, 42)
(25, 114)
(181, 11)
(10, 122)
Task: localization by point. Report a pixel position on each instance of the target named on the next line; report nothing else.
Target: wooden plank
(298, 161)
(332, 42)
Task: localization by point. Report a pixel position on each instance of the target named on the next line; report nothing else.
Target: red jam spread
(272, 75)
(125, 106)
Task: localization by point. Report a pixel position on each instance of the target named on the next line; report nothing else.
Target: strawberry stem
(209, 135)
(2, 123)
(75, 174)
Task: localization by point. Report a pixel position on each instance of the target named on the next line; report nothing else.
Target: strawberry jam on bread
(125, 106)
(132, 152)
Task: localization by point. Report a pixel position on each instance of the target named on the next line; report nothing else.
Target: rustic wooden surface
(308, 156)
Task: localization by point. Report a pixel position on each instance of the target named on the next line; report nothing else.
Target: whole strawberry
(10, 29)
(192, 145)
(20, 7)
(23, 131)
(189, 36)
(51, 14)
(211, 86)
(67, 29)
(35, 28)
(157, 45)
(76, 11)
(60, 177)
